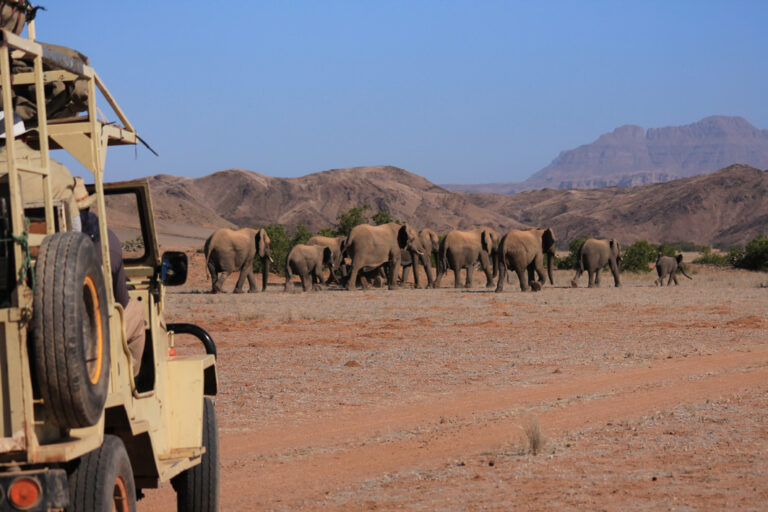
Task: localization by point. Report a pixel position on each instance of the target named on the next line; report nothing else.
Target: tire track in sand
(275, 466)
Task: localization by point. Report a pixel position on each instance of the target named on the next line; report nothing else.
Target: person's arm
(119, 279)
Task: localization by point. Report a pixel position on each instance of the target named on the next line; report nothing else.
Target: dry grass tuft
(533, 435)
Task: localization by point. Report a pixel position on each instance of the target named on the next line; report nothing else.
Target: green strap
(23, 241)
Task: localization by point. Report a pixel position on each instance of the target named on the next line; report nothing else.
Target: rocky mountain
(728, 206)
(631, 156)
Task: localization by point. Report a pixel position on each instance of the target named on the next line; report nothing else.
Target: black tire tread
(60, 366)
(92, 480)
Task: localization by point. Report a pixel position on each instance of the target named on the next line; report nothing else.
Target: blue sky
(455, 91)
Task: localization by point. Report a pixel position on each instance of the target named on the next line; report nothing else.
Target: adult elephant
(462, 249)
(593, 255)
(523, 250)
(669, 266)
(308, 262)
(430, 245)
(372, 246)
(336, 245)
(228, 250)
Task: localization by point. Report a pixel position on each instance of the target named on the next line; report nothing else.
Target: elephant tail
(682, 270)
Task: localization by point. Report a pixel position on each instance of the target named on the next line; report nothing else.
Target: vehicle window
(124, 220)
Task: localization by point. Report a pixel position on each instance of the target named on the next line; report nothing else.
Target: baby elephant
(667, 265)
(308, 262)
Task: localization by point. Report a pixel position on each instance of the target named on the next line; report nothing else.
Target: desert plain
(630, 398)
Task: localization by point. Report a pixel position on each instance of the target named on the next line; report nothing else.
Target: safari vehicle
(77, 430)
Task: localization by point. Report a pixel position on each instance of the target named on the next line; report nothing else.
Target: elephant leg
(353, 278)
(427, 264)
(240, 282)
(575, 280)
(394, 264)
(674, 276)
(251, 282)
(219, 286)
(366, 285)
(214, 276)
(470, 272)
(615, 272)
(406, 273)
(521, 274)
(318, 286)
(490, 270)
(591, 274)
(503, 276)
(597, 277)
(306, 281)
(669, 281)
(416, 283)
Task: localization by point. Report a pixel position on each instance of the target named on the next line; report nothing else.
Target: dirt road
(633, 398)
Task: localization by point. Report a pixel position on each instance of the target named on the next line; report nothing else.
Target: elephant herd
(390, 251)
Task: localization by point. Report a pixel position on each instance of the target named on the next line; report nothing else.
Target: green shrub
(665, 249)
(280, 244)
(351, 218)
(710, 258)
(329, 232)
(572, 260)
(736, 255)
(637, 257)
(756, 254)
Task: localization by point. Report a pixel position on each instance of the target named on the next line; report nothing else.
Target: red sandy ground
(646, 398)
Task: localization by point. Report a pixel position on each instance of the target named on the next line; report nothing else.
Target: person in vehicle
(134, 311)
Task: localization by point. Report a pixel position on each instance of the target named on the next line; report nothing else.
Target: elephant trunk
(550, 264)
(265, 272)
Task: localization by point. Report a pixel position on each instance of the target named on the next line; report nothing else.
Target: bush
(756, 254)
(736, 255)
(280, 244)
(572, 260)
(638, 255)
(351, 218)
(329, 232)
(665, 249)
(710, 258)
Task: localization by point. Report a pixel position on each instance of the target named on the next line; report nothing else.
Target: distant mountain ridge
(728, 206)
(631, 156)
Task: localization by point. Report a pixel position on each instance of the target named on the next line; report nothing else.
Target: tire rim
(120, 501)
(93, 331)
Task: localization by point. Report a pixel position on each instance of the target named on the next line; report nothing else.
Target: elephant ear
(434, 239)
(486, 241)
(679, 258)
(548, 240)
(402, 236)
(262, 240)
(327, 255)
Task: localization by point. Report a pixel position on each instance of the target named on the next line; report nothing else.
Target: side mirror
(173, 269)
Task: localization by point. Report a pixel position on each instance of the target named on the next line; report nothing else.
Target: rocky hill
(631, 156)
(728, 206)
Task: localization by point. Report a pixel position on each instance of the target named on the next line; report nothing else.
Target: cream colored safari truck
(77, 431)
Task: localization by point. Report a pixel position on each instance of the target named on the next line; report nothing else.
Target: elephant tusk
(270, 259)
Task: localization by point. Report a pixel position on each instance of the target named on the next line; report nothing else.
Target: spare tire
(70, 330)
